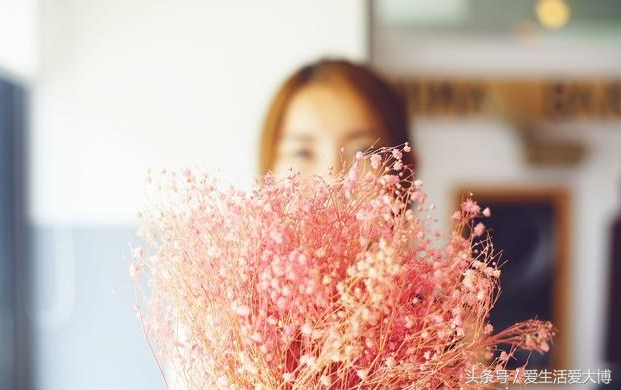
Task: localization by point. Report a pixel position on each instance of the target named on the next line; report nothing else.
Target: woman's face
(320, 120)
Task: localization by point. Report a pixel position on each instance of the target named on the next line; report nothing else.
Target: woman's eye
(303, 153)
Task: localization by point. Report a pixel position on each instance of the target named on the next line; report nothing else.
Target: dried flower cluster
(309, 284)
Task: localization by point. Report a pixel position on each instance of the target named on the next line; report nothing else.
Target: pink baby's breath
(376, 160)
(315, 284)
(479, 228)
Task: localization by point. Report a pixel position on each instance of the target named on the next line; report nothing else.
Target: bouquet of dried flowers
(319, 284)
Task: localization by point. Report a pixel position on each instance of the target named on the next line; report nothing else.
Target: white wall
(18, 39)
(129, 84)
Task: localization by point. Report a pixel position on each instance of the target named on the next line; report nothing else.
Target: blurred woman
(327, 111)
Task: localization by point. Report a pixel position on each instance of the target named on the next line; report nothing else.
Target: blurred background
(517, 101)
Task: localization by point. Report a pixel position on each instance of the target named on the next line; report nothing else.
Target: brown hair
(387, 106)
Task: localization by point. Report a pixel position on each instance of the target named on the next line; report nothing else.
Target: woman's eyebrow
(300, 137)
(360, 133)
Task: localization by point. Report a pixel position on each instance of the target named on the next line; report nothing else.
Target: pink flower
(488, 329)
(306, 330)
(376, 160)
(242, 310)
(312, 284)
(470, 207)
(134, 270)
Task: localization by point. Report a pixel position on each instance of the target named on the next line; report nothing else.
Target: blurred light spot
(552, 14)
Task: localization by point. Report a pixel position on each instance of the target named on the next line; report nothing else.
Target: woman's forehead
(325, 108)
